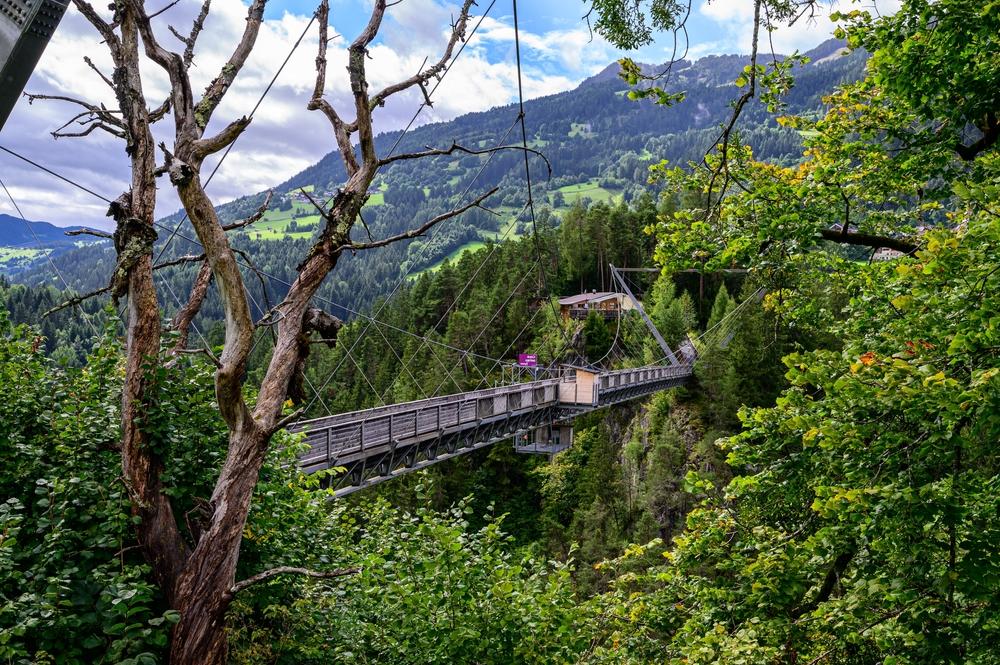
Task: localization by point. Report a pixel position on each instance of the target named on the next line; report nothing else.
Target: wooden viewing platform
(378, 444)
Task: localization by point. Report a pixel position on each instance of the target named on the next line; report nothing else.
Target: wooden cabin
(606, 303)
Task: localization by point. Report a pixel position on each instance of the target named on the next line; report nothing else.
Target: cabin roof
(582, 298)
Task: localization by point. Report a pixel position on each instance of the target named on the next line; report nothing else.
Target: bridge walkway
(375, 445)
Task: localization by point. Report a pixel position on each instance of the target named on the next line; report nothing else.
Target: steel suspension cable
(55, 269)
(486, 327)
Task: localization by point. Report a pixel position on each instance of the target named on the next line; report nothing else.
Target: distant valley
(599, 143)
(24, 244)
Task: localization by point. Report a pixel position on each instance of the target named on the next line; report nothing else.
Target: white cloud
(284, 137)
(735, 18)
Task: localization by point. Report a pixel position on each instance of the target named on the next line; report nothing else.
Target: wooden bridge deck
(378, 444)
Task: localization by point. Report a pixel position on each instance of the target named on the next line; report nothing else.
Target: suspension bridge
(370, 446)
(374, 445)
(379, 444)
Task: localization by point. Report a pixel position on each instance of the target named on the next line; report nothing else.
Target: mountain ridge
(599, 143)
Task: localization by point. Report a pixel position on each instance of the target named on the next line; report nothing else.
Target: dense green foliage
(72, 589)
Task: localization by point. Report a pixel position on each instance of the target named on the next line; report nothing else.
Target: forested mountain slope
(599, 144)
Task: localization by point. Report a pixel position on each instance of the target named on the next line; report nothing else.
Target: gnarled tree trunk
(199, 579)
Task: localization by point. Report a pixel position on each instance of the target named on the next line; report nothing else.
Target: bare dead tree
(199, 580)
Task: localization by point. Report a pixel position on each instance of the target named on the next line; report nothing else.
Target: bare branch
(254, 217)
(58, 134)
(423, 228)
(284, 570)
(192, 38)
(91, 109)
(160, 111)
(359, 85)
(340, 131)
(183, 318)
(205, 147)
(455, 147)
(90, 63)
(181, 38)
(421, 78)
(103, 27)
(90, 232)
(170, 62)
(216, 90)
(313, 201)
(157, 13)
(722, 142)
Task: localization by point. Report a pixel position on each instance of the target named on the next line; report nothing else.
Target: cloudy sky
(558, 52)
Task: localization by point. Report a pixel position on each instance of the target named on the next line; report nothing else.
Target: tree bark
(134, 211)
(866, 240)
(202, 591)
(201, 586)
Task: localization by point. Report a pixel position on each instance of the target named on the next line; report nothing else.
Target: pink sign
(527, 360)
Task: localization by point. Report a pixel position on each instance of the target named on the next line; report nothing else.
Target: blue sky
(557, 51)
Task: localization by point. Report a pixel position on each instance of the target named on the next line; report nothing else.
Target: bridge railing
(335, 437)
(625, 378)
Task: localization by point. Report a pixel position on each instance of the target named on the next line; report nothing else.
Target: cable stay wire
(86, 317)
(527, 171)
(509, 347)
(529, 205)
(57, 175)
(475, 274)
(413, 264)
(500, 309)
(425, 103)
